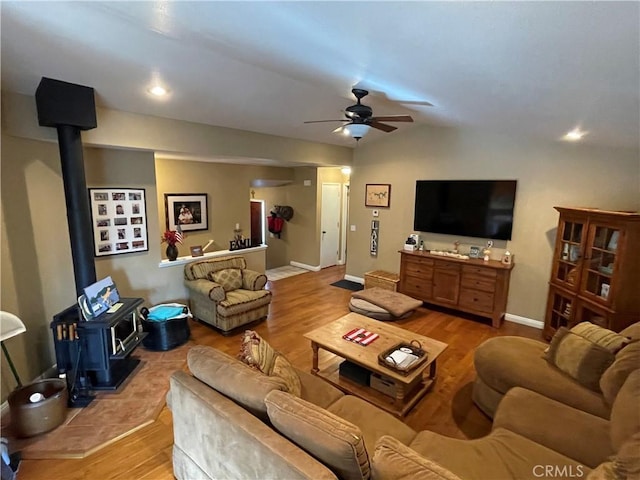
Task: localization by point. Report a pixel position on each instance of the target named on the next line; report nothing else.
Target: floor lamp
(10, 326)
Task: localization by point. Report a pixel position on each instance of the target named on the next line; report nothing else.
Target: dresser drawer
(417, 287)
(452, 267)
(476, 300)
(477, 282)
(419, 269)
(479, 271)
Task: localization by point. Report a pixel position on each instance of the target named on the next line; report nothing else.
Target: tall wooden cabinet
(595, 274)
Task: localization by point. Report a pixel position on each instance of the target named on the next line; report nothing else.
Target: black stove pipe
(78, 211)
(70, 108)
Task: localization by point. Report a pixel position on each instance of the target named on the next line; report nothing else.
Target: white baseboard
(305, 266)
(351, 278)
(529, 322)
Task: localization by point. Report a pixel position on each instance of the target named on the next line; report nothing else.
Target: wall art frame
(118, 220)
(377, 195)
(189, 210)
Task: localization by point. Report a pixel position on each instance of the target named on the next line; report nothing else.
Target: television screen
(470, 208)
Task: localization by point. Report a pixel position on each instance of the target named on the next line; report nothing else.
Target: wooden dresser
(472, 286)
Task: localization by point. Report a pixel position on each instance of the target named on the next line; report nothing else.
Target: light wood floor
(300, 304)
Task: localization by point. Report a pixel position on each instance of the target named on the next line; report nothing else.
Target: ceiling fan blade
(382, 126)
(324, 121)
(393, 118)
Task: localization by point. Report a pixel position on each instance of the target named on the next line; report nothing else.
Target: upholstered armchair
(225, 294)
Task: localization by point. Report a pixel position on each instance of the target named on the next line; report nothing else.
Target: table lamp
(10, 326)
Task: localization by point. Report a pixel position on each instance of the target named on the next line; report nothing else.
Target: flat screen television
(470, 208)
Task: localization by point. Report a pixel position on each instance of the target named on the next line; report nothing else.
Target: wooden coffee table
(409, 389)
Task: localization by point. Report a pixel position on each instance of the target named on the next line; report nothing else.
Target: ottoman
(383, 304)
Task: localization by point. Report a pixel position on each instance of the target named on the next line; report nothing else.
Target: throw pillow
(228, 278)
(335, 442)
(257, 353)
(579, 358)
(627, 360)
(608, 339)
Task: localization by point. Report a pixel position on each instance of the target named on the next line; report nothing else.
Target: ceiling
(537, 69)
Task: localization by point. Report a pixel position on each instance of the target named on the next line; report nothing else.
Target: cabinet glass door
(560, 311)
(569, 254)
(600, 261)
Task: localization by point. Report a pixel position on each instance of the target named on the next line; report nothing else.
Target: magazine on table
(402, 358)
(361, 336)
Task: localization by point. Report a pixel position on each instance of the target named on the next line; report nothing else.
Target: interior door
(330, 225)
(257, 222)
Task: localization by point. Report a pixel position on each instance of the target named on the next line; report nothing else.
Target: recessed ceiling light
(574, 135)
(346, 170)
(158, 91)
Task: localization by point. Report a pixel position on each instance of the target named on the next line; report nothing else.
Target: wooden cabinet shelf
(595, 270)
(472, 286)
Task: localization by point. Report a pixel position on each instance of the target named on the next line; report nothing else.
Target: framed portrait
(377, 195)
(189, 210)
(118, 220)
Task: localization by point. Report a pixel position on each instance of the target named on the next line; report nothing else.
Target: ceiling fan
(359, 118)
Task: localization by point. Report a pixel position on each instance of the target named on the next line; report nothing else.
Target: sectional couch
(234, 422)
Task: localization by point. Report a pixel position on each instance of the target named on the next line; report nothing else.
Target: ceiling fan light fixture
(357, 130)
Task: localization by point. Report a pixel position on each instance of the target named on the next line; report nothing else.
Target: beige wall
(37, 273)
(142, 132)
(229, 192)
(548, 174)
(278, 253)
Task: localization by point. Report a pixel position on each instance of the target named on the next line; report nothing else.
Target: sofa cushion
(229, 278)
(626, 463)
(505, 362)
(244, 385)
(632, 331)
(625, 412)
(318, 391)
(372, 421)
(529, 414)
(579, 358)
(240, 301)
(627, 360)
(500, 455)
(393, 460)
(257, 353)
(603, 337)
(334, 441)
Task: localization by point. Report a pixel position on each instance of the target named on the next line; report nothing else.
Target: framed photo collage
(119, 220)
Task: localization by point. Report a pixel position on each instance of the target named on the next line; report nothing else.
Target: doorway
(258, 216)
(330, 224)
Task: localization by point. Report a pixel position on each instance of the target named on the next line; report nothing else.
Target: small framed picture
(196, 251)
(604, 290)
(377, 195)
(474, 252)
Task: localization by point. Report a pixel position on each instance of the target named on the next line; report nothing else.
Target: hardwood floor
(300, 304)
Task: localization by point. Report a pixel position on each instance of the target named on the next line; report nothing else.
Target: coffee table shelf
(409, 388)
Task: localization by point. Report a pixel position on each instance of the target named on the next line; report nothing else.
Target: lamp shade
(10, 326)
(357, 130)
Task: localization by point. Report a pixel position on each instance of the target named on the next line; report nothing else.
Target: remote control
(114, 308)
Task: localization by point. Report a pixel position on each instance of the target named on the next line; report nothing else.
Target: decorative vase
(172, 252)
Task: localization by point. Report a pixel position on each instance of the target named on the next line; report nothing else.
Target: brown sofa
(502, 363)
(225, 294)
(231, 421)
